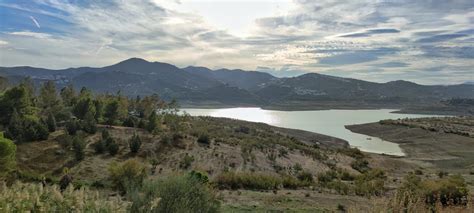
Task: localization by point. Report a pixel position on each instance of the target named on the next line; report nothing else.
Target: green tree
(112, 146)
(15, 127)
(111, 113)
(68, 95)
(51, 122)
(152, 125)
(16, 98)
(135, 143)
(72, 126)
(7, 156)
(48, 98)
(84, 105)
(89, 124)
(78, 145)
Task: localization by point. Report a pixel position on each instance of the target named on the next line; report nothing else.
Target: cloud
(35, 21)
(371, 32)
(375, 40)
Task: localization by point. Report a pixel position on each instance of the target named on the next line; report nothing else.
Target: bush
(256, 181)
(51, 122)
(305, 176)
(204, 139)
(186, 161)
(135, 143)
(78, 145)
(175, 194)
(7, 156)
(100, 147)
(130, 121)
(360, 165)
(370, 183)
(36, 198)
(89, 124)
(112, 146)
(72, 126)
(128, 175)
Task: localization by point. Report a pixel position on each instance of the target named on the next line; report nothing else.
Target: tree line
(30, 115)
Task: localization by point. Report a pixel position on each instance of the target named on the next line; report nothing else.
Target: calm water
(328, 122)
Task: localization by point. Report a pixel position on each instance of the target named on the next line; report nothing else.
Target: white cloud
(31, 34)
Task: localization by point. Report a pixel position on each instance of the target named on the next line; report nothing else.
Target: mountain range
(202, 86)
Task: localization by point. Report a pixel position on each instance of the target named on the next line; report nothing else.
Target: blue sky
(425, 41)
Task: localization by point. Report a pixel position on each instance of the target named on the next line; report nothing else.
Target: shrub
(128, 175)
(186, 162)
(78, 146)
(7, 155)
(370, 183)
(21, 197)
(130, 121)
(100, 147)
(89, 124)
(305, 176)
(72, 126)
(231, 180)
(112, 146)
(51, 122)
(175, 194)
(135, 143)
(360, 165)
(204, 139)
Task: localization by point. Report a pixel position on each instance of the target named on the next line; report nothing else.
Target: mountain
(202, 86)
(249, 80)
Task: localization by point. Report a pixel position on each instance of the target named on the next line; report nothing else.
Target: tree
(135, 143)
(68, 95)
(48, 98)
(7, 156)
(100, 147)
(16, 98)
(84, 105)
(78, 146)
(111, 113)
(72, 126)
(89, 124)
(15, 127)
(51, 122)
(152, 123)
(112, 146)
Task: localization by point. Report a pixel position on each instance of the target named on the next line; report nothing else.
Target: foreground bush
(128, 175)
(7, 156)
(258, 181)
(36, 198)
(416, 194)
(175, 194)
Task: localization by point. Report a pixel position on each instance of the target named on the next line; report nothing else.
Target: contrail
(36, 22)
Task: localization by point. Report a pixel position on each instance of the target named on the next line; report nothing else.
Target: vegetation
(7, 156)
(135, 143)
(37, 198)
(257, 181)
(127, 175)
(175, 194)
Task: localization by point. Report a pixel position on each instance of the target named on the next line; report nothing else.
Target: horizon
(378, 41)
(296, 74)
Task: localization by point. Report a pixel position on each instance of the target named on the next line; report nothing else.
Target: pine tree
(152, 123)
(51, 122)
(78, 146)
(89, 124)
(15, 127)
(111, 113)
(135, 143)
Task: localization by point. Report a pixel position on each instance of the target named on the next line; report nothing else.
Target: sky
(425, 41)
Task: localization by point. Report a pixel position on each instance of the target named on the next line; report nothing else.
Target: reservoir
(327, 122)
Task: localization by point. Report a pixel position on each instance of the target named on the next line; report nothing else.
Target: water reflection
(328, 122)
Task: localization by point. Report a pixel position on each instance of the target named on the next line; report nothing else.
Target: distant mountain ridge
(203, 86)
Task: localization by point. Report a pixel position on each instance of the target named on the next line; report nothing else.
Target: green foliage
(51, 122)
(112, 147)
(111, 113)
(186, 162)
(415, 192)
(204, 139)
(36, 198)
(256, 181)
(100, 147)
(78, 145)
(68, 95)
(370, 183)
(28, 128)
(7, 156)
(175, 194)
(305, 176)
(200, 176)
(48, 98)
(130, 121)
(152, 125)
(84, 106)
(89, 123)
(135, 143)
(72, 126)
(360, 165)
(127, 175)
(17, 99)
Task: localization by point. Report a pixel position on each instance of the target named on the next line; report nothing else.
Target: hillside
(200, 86)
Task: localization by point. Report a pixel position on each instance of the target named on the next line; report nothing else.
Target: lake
(327, 122)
